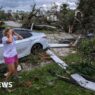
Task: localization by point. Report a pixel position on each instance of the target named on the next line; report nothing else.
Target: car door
(1, 47)
(23, 46)
(1, 53)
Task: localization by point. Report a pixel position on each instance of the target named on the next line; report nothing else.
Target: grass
(80, 65)
(40, 82)
(72, 59)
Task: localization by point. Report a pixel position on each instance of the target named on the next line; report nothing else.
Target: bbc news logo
(6, 84)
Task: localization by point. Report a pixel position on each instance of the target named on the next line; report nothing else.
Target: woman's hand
(10, 38)
(10, 33)
(18, 36)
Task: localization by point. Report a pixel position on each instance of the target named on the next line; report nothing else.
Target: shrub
(86, 47)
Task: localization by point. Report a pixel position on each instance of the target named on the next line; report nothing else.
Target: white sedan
(32, 42)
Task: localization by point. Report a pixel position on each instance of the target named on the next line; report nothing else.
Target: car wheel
(37, 48)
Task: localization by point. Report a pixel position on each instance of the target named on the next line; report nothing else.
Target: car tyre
(37, 48)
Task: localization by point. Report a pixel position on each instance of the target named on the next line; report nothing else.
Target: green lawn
(40, 82)
(80, 65)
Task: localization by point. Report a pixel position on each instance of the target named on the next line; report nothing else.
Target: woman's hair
(6, 31)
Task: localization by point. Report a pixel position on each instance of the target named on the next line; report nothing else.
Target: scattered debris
(44, 57)
(13, 24)
(76, 77)
(67, 41)
(19, 68)
(44, 26)
(77, 40)
(59, 45)
(83, 82)
(57, 60)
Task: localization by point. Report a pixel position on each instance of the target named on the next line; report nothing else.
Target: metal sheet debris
(60, 62)
(59, 45)
(83, 82)
(76, 77)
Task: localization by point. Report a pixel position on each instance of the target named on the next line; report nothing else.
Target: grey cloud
(16, 4)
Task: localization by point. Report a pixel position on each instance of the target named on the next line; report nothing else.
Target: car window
(24, 33)
(1, 35)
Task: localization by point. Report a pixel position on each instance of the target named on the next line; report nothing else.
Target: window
(1, 35)
(23, 33)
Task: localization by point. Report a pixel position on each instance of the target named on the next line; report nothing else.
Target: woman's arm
(18, 36)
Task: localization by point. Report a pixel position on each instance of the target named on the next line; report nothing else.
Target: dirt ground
(55, 38)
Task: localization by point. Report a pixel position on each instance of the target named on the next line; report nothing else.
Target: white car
(32, 42)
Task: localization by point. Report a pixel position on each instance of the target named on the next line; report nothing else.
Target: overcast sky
(25, 4)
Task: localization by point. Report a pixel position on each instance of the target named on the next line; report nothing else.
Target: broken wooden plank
(77, 40)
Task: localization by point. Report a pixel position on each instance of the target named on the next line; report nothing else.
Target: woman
(10, 52)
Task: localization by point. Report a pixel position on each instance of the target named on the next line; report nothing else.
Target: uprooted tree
(35, 16)
(28, 20)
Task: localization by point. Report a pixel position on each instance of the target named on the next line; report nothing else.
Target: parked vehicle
(33, 42)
